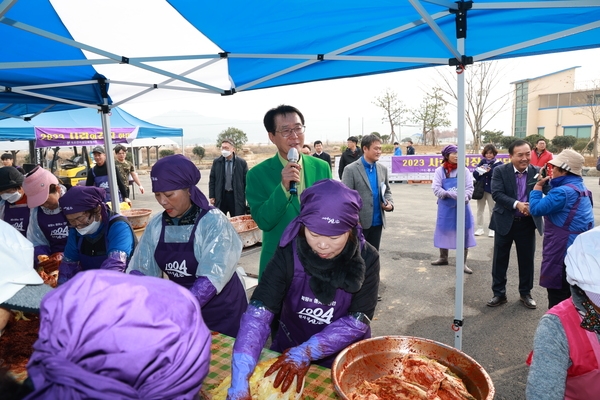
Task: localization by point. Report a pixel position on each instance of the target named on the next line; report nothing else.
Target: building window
(521, 98)
(580, 132)
(541, 131)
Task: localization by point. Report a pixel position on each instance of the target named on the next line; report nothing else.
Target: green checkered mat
(317, 384)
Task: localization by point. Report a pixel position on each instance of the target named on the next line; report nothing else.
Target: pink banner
(50, 137)
(429, 163)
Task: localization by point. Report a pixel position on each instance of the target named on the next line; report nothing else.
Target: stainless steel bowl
(373, 358)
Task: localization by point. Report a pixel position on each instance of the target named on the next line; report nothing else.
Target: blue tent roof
(311, 40)
(17, 129)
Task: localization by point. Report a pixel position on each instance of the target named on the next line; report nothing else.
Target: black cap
(10, 178)
(98, 149)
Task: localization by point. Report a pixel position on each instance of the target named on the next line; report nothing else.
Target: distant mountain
(202, 130)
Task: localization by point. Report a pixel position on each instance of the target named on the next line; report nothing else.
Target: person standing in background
(319, 153)
(8, 161)
(370, 179)
(540, 156)
(268, 184)
(98, 176)
(351, 154)
(410, 150)
(126, 168)
(227, 181)
(306, 149)
(13, 200)
(397, 149)
(484, 171)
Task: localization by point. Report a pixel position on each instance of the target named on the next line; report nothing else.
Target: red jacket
(542, 159)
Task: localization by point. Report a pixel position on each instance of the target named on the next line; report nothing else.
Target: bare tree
(591, 108)
(483, 100)
(393, 109)
(431, 114)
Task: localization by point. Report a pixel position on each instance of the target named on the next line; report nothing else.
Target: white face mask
(11, 197)
(225, 153)
(90, 229)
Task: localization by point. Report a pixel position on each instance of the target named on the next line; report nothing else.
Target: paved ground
(418, 298)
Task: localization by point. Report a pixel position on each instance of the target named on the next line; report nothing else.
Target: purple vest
(55, 229)
(445, 227)
(102, 182)
(17, 215)
(302, 315)
(556, 239)
(223, 312)
(93, 254)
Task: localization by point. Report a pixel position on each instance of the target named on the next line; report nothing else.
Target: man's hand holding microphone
(290, 174)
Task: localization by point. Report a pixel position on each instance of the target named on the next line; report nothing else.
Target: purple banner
(429, 163)
(50, 137)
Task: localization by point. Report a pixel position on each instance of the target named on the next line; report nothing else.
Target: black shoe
(528, 301)
(496, 301)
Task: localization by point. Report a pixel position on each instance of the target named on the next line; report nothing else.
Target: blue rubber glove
(67, 269)
(255, 327)
(115, 261)
(295, 361)
(204, 290)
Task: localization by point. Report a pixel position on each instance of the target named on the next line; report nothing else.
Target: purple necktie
(521, 192)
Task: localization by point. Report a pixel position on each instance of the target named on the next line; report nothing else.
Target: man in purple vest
(98, 176)
(13, 201)
(323, 279)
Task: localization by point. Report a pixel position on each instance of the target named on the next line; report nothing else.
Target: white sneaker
(479, 232)
(491, 233)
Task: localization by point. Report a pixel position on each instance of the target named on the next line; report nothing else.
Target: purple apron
(302, 315)
(92, 253)
(55, 229)
(17, 215)
(102, 182)
(556, 239)
(224, 311)
(445, 227)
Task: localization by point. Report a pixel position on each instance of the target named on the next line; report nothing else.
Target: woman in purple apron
(98, 238)
(13, 201)
(48, 228)
(444, 187)
(567, 211)
(194, 244)
(323, 279)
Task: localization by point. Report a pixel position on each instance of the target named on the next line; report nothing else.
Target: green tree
(166, 152)
(494, 137)
(385, 139)
(237, 135)
(431, 114)
(505, 141)
(393, 110)
(199, 152)
(584, 146)
(564, 142)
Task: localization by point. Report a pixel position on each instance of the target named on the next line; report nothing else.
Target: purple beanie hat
(109, 335)
(82, 198)
(451, 148)
(177, 172)
(328, 208)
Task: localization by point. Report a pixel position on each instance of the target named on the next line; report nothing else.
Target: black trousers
(228, 203)
(373, 235)
(522, 233)
(556, 296)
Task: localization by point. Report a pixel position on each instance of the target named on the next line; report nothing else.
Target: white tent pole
(460, 200)
(110, 162)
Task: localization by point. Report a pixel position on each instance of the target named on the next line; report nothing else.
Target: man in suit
(319, 153)
(268, 184)
(350, 155)
(369, 179)
(512, 222)
(227, 182)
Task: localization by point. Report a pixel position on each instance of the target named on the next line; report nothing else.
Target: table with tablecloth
(317, 385)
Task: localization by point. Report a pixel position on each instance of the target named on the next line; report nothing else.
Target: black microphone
(293, 156)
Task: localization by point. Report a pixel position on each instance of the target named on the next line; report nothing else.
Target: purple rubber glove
(136, 272)
(67, 269)
(204, 290)
(295, 361)
(116, 261)
(41, 250)
(255, 328)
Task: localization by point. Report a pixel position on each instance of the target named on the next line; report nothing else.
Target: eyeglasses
(297, 130)
(79, 222)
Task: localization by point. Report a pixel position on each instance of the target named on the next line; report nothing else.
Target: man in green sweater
(268, 184)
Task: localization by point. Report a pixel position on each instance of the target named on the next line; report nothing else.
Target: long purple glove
(67, 269)
(204, 290)
(116, 261)
(255, 328)
(295, 361)
(41, 250)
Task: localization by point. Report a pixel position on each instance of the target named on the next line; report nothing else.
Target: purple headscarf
(446, 151)
(109, 335)
(81, 198)
(328, 208)
(177, 172)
